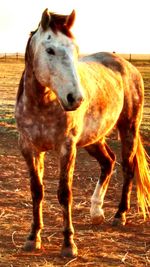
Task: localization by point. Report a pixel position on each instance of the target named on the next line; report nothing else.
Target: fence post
(17, 55)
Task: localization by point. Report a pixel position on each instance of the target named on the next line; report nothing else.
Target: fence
(18, 56)
(132, 57)
(11, 56)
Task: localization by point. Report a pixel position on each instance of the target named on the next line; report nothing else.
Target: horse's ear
(71, 19)
(45, 20)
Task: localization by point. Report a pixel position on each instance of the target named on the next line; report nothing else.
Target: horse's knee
(64, 195)
(107, 167)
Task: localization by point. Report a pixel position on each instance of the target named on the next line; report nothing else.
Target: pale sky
(101, 25)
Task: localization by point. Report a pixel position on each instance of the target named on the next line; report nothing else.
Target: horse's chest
(43, 130)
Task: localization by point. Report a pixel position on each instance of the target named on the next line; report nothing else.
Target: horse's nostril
(70, 98)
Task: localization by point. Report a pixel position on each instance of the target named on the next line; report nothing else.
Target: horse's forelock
(59, 23)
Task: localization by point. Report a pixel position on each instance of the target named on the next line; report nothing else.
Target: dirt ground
(102, 245)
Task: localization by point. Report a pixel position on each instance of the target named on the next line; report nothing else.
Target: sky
(122, 26)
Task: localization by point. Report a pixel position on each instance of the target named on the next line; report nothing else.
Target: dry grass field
(102, 245)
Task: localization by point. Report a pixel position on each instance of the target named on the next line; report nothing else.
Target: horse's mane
(20, 88)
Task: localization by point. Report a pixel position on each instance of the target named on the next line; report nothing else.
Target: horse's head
(54, 55)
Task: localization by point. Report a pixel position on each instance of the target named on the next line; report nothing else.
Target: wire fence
(11, 56)
(20, 56)
(133, 57)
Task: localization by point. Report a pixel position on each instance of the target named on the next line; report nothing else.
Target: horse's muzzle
(73, 102)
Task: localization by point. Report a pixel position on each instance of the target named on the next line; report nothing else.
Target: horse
(66, 101)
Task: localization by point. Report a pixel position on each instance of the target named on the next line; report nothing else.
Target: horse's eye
(50, 51)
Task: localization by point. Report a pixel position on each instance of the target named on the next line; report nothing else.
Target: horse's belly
(97, 128)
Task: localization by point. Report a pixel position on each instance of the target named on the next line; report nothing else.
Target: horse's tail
(142, 172)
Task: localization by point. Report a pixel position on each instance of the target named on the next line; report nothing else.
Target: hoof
(69, 252)
(31, 245)
(97, 219)
(97, 216)
(119, 221)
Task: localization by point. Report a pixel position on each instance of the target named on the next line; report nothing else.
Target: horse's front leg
(35, 165)
(67, 162)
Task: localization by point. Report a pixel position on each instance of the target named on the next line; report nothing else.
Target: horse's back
(111, 61)
(130, 75)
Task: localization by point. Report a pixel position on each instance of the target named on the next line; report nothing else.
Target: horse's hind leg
(106, 158)
(35, 163)
(128, 135)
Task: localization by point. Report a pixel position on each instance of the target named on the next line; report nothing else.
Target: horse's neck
(36, 93)
(89, 72)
